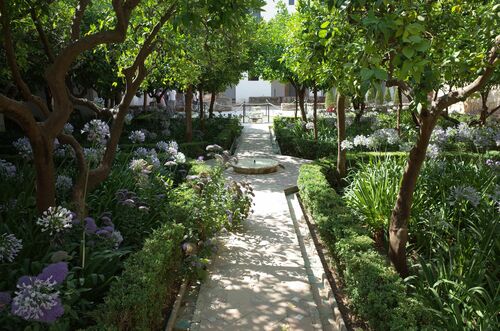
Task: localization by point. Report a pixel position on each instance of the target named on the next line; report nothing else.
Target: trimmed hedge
(375, 291)
(137, 299)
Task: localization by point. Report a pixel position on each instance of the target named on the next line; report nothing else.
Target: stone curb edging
(326, 276)
(178, 301)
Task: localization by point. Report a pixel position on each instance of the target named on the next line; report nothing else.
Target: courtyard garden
(108, 206)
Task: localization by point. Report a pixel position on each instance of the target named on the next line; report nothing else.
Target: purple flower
(90, 226)
(5, 299)
(7, 169)
(36, 298)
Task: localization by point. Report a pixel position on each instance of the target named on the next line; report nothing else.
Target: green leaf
(423, 45)
(408, 52)
(380, 74)
(322, 33)
(366, 74)
(325, 24)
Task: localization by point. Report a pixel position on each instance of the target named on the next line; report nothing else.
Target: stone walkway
(260, 278)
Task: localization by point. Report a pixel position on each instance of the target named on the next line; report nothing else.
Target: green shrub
(375, 291)
(137, 299)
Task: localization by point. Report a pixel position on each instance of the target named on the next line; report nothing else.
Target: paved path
(260, 280)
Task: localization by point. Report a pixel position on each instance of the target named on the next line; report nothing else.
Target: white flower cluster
(97, 131)
(480, 137)
(379, 138)
(137, 137)
(9, 247)
(55, 220)
(465, 193)
(23, 147)
(64, 183)
(140, 166)
(309, 126)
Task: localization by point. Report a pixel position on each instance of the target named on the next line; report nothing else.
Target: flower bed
(452, 234)
(149, 224)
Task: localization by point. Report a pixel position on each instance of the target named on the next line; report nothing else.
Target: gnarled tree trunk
(315, 112)
(302, 95)
(341, 154)
(398, 228)
(188, 109)
(212, 104)
(202, 110)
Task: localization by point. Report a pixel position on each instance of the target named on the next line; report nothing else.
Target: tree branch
(10, 55)
(42, 35)
(77, 19)
(461, 94)
(104, 112)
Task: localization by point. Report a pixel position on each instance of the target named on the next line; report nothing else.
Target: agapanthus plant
(55, 220)
(137, 137)
(10, 246)
(37, 298)
(23, 147)
(97, 131)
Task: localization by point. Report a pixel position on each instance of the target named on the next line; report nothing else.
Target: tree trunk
(359, 105)
(484, 109)
(341, 154)
(188, 109)
(296, 103)
(315, 112)
(202, 111)
(45, 172)
(400, 109)
(302, 94)
(212, 103)
(398, 229)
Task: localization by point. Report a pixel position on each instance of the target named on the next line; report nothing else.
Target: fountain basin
(255, 166)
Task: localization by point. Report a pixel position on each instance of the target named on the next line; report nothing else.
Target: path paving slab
(260, 279)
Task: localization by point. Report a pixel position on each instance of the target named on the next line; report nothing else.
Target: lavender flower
(23, 147)
(90, 226)
(64, 183)
(7, 169)
(93, 155)
(37, 298)
(10, 246)
(97, 131)
(465, 193)
(137, 137)
(64, 151)
(433, 151)
(141, 152)
(55, 220)
(162, 146)
(68, 128)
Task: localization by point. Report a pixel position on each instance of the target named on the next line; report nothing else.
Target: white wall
(252, 88)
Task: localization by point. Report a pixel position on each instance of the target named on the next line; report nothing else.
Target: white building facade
(256, 87)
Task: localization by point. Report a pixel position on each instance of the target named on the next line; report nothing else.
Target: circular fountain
(255, 166)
